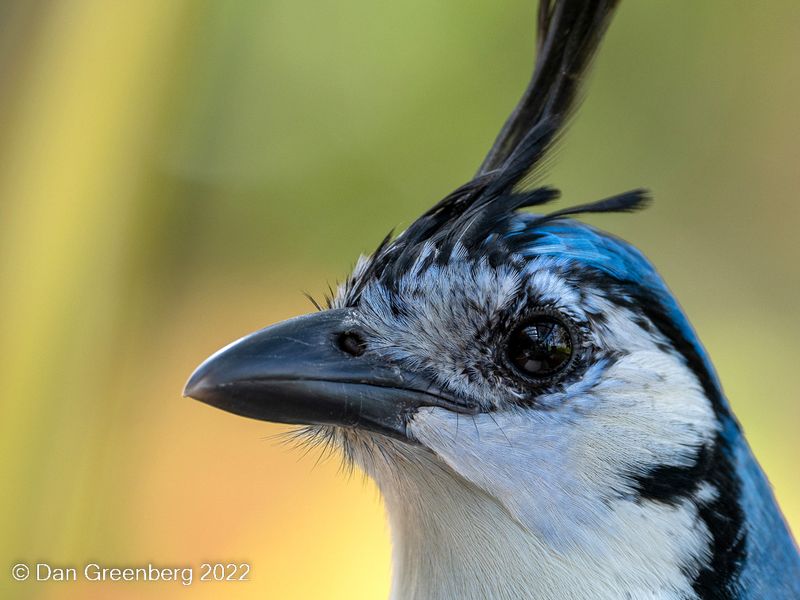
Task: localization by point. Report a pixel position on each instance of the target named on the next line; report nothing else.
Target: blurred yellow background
(173, 175)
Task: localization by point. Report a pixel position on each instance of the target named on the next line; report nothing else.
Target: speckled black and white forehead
(447, 314)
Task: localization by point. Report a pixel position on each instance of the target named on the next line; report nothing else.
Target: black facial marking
(670, 484)
(724, 517)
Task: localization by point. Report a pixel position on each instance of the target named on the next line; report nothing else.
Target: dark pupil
(541, 347)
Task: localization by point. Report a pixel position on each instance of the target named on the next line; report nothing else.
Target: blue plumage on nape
(535, 407)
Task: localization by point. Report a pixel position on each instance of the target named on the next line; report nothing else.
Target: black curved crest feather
(569, 33)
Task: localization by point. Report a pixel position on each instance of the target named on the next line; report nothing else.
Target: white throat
(452, 540)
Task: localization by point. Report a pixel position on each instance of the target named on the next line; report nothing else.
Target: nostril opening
(352, 343)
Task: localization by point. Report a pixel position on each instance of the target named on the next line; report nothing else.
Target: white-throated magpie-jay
(528, 395)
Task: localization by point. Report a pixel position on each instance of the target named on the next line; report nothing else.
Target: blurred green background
(173, 174)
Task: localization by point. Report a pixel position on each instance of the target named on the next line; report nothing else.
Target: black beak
(300, 372)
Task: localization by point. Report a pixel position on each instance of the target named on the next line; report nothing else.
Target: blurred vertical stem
(73, 155)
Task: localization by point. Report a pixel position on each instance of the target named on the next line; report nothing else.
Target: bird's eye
(541, 347)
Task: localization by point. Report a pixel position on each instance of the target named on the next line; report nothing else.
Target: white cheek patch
(565, 472)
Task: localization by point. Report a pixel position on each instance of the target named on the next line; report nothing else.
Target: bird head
(495, 367)
(539, 359)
